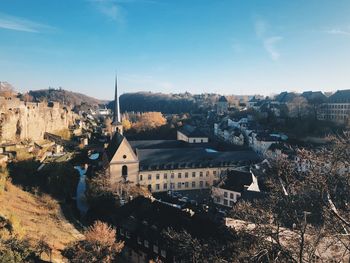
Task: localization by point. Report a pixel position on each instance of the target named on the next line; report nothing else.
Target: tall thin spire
(116, 113)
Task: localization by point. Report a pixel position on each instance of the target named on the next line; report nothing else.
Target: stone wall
(27, 120)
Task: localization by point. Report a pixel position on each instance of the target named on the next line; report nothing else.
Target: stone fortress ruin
(20, 120)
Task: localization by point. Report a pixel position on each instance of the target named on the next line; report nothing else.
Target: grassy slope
(39, 217)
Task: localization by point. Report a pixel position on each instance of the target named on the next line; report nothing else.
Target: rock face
(27, 120)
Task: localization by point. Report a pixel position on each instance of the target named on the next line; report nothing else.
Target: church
(163, 165)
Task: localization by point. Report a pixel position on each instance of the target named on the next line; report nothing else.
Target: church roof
(222, 99)
(162, 144)
(114, 145)
(175, 158)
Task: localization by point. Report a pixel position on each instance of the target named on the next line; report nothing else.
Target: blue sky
(223, 46)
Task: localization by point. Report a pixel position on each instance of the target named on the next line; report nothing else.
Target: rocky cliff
(27, 120)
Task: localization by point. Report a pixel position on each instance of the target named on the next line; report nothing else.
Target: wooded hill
(62, 96)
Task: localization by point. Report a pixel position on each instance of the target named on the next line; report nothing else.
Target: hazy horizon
(226, 47)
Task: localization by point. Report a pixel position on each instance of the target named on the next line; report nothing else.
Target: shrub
(99, 246)
(3, 179)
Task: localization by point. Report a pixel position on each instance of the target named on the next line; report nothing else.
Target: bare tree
(306, 214)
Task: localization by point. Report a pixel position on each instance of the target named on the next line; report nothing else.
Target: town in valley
(163, 173)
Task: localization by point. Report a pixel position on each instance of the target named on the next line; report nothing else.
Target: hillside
(38, 217)
(172, 103)
(62, 96)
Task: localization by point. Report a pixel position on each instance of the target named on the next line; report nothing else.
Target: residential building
(191, 134)
(142, 221)
(337, 107)
(227, 191)
(222, 106)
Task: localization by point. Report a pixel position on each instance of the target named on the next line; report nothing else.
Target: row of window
(339, 117)
(179, 185)
(232, 195)
(179, 175)
(145, 243)
(155, 247)
(338, 106)
(338, 111)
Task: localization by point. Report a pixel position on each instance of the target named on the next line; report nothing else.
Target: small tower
(222, 105)
(116, 123)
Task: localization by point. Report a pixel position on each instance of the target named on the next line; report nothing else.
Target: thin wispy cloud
(268, 41)
(270, 46)
(336, 31)
(20, 24)
(114, 10)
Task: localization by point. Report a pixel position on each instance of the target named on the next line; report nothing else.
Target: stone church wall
(26, 120)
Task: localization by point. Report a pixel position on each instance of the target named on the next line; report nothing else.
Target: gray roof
(161, 144)
(222, 99)
(341, 96)
(192, 131)
(175, 158)
(114, 145)
(236, 180)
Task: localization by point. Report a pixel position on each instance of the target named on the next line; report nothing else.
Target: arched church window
(124, 171)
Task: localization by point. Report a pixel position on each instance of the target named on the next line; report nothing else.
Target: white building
(191, 134)
(230, 189)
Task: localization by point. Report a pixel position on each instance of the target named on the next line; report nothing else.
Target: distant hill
(147, 101)
(169, 103)
(63, 96)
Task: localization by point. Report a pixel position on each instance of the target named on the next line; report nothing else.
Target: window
(172, 175)
(139, 240)
(124, 172)
(163, 253)
(200, 183)
(218, 199)
(232, 203)
(200, 174)
(225, 202)
(186, 184)
(206, 183)
(140, 177)
(165, 176)
(172, 185)
(149, 177)
(179, 175)
(193, 184)
(207, 173)
(179, 185)
(193, 174)
(157, 186)
(225, 194)
(157, 176)
(186, 175)
(194, 140)
(124, 156)
(165, 186)
(155, 249)
(146, 244)
(231, 195)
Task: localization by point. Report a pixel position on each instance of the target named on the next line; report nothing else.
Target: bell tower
(116, 123)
